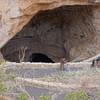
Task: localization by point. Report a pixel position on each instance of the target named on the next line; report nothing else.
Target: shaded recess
(38, 57)
(53, 33)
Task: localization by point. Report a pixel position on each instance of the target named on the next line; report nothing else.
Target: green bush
(44, 97)
(81, 95)
(2, 88)
(22, 96)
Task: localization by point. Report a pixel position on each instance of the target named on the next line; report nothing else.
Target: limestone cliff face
(77, 21)
(14, 14)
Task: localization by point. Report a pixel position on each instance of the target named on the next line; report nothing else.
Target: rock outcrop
(74, 30)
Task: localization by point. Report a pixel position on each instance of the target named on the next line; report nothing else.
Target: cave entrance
(39, 57)
(63, 32)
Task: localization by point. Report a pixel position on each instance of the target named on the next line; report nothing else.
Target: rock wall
(67, 31)
(76, 37)
(14, 14)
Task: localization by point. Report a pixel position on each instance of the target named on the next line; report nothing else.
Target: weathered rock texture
(68, 31)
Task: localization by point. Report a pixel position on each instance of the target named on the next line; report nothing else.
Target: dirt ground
(32, 81)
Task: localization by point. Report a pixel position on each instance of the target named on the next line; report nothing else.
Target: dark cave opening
(39, 57)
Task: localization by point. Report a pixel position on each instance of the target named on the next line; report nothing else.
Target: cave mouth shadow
(63, 32)
(39, 57)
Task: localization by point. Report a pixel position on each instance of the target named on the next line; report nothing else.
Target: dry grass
(4, 98)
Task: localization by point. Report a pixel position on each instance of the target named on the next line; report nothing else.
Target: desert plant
(2, 61)
(2, 88)
(98, 95)
(81, 95)
(44, 97)
(22, 96)
(2, 74)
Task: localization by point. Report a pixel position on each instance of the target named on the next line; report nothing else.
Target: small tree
(22, 53)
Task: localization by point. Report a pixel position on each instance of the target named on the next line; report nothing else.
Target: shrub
(44, 97)
(2, 88)
(22, 96)
(81, 95)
